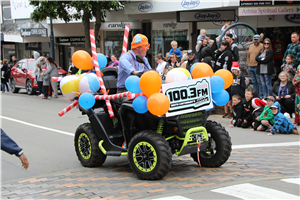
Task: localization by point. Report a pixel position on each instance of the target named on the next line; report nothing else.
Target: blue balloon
(102, 60)
(86, 100)
(192, 67)
(221, 98)
(132, 84)
(140, 104)
(217, 84)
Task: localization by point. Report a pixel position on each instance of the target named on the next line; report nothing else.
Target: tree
(86, 10)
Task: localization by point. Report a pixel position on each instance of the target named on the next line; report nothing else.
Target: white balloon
(175, 76)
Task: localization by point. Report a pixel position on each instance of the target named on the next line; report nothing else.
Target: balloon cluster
(151, 100)
(83, 85)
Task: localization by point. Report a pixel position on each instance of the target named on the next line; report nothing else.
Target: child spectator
(247, 82)
(46, 82)
(238, 85)
(237, 110)
(258, 106)
(266, 117)
(282, 123)
(175, 50)
(39, 78)
(288, 66)
(231, 31)
(200, 40)
(248, 109)
(296, 83)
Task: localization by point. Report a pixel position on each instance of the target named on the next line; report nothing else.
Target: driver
(128, 64)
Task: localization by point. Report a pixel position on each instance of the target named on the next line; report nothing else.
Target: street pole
(52, 40)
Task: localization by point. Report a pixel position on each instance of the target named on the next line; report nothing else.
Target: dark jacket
(9, 146)
(223, 60)
(248, 109)
(238, 85)
(235, 52)
(191, 62)
(5, 75)
(268, 61)
(275, 89)
(206, 55)
(238, 112)
(257, 112)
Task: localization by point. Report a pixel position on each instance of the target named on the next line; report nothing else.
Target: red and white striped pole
(125, 40)
(68, 108)
(97, 69)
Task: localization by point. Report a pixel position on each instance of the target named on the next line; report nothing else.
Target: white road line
(172, 198)
(292, 180)
(37, 126)
(244, 146)
(250, 191)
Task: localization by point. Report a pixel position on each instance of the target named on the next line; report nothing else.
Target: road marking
(37, 126)
(292, 180)
(250, 191)
(172, 198)
(243, 146)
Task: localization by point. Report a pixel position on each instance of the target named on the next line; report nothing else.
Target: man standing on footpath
(252, 64)
(192, 59)
(293, 49)
(234, 47)
(128, 64)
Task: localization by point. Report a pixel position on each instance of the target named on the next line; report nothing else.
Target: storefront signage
(169, 25)
(190, 3)
(274, 10)
(37, 46)
(255, 2)
(20, 9)
(145, 7)
(287, 2)
(69, 39)
(120, 25)
(295, 18)
(222, 23)
(34, 32)
(206, 16)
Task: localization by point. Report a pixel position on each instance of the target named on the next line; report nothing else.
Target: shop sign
(255, 2)
(287, 2)
(145, 7)
(169, 25)
(117, 25)
(34, 32)
(190, 3)
(69, 39)
(37, 46)
(205, 16)
(120, 25)
(222, 23)
(295, 18)
(274, 10)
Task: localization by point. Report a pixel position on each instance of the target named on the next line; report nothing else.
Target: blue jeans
(256, 81)
(266, 81)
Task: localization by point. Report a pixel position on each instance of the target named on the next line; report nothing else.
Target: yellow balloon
(69, 85)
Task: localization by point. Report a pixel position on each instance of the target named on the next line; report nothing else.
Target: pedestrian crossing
(285, 189)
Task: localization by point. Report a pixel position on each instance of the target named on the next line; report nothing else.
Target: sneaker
(41, 95)
(45, 98)
(287, 115)
(293, 115)
(225, 115)
(269, 129)
(230, 116)
(54, 96)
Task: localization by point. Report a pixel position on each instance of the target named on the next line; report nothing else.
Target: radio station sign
(188, 96)
(205, 15)
(255, 2)
(274, 10)
(34, 32)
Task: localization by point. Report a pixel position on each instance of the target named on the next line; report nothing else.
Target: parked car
(22, 76)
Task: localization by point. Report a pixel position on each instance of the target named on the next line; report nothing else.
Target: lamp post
(52, 40)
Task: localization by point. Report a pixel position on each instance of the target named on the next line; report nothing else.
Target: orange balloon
(150, 83)
(82, 60)
(158, 104)
(226, 75)
(201, 70)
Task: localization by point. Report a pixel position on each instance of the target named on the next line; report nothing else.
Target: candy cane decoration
(110, 97)
(134, 95)
(67, 109)
(55, 79)
(125, 40)
(97, 69)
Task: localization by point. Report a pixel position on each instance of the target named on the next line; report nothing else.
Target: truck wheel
(13, 86)
(86, 146)
(219, 148)
(149, 155)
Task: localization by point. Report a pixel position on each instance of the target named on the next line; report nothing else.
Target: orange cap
(139, 40)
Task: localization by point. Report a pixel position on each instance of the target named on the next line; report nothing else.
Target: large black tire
(13, 86)
(86, 146)
(29, 88)
(149, 155)
(219, 148)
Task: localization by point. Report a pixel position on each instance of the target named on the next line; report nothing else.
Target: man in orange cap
(128, 65)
